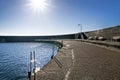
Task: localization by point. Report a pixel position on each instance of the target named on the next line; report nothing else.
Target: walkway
(81, 61)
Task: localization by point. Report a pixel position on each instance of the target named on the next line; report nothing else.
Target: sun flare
(38, 5)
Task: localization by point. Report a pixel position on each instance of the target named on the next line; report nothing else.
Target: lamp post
(81, 31)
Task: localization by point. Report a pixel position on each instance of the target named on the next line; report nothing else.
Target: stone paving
(80, 61)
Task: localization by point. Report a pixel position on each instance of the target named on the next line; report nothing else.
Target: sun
(37, 5)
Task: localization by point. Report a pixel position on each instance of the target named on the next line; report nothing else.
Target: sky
(56, 17)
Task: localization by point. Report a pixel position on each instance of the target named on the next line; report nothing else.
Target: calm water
(14, 58)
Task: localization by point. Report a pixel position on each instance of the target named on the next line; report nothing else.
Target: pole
(81, 32)
(29, 73)
(52, 56)
(34, 66)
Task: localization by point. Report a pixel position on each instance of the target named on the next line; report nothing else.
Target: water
(15, 57)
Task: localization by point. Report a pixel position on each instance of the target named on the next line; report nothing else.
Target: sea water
(15, 58)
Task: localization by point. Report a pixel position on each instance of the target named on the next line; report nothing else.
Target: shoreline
(59, 67)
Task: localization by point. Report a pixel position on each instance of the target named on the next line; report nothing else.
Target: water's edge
(58, 44)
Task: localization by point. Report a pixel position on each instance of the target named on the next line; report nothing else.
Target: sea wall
(34, 38)
(108, 33)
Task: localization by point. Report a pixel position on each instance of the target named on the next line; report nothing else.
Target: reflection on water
(14, 58)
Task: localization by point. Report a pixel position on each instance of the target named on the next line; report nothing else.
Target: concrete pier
(81, 61)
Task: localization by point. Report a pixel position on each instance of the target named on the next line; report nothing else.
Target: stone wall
(107, 33)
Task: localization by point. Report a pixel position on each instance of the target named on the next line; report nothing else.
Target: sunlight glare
(38, 5)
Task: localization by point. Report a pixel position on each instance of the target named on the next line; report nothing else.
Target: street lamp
(81, 31)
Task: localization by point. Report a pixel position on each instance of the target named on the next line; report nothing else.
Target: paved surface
(110, 44)
(82, 61)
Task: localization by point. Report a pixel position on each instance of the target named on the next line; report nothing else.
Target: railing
(33, 68)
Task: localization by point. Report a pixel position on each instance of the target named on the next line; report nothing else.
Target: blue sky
(58, 17)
